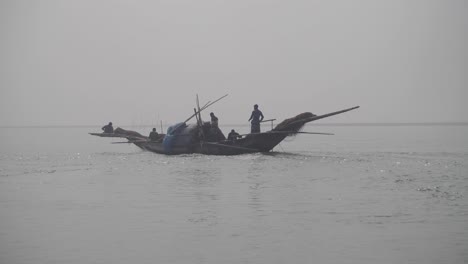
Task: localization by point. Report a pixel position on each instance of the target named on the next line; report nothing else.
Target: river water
(368, 194)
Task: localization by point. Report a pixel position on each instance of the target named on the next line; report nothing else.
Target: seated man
(108, 128)
(233, 135)
(154, 136)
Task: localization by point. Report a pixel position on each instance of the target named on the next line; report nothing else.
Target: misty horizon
(88, 62)
(266, 126)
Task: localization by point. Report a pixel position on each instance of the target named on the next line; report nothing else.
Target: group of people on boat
(255, 119)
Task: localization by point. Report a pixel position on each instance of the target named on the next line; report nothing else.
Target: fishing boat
(201, 137)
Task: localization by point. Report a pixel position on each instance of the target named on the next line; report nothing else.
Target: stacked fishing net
(129, 133)
(294, 123)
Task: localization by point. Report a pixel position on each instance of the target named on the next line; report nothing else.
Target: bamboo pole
(205, 107)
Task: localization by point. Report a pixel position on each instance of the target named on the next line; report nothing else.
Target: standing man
(256, 117)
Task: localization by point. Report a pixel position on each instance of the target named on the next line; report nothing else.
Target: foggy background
(137, 62)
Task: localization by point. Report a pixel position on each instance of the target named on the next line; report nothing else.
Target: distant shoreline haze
(266, 126)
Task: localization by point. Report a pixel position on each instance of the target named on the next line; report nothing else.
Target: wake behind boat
(183, 138)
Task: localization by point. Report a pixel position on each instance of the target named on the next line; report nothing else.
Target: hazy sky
(137, 62)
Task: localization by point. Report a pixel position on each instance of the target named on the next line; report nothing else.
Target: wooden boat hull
(263, 142)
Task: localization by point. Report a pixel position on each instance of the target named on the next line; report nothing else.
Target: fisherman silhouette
(256, 117)
(233, 135)
(214, 120)
(108, 128)
(154, 136)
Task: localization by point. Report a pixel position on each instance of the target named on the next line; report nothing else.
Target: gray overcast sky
(93, 61)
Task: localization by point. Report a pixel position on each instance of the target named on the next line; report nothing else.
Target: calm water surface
(369, 194)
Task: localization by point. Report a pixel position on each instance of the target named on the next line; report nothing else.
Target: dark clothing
(214, 121)
(255, 127)
(108, 129)
(233, 136)
(256, 117)
(154, 136)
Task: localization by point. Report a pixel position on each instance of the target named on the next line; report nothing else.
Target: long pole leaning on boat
(289, 132)
(199, 124)
(310, 119)
(204, 107)
(200, 121)
(229, 146)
